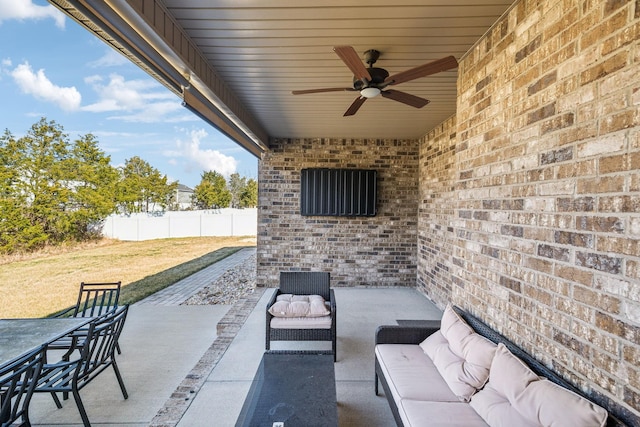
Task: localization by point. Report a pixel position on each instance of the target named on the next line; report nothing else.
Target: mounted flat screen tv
(338, 192)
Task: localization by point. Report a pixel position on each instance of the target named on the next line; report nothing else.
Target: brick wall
(530, 196)
(376, 251)
(438, 174)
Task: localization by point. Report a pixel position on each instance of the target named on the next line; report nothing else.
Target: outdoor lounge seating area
(183, 367)
(153, 368)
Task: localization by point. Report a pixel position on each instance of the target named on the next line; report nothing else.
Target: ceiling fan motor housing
(371, 56)
(377, 78)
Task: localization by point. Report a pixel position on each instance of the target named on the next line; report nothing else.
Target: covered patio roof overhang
(166, 54)
(235, 64)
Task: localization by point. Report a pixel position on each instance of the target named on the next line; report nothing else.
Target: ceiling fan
(372, 81)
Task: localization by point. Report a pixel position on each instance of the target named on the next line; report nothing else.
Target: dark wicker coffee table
(293, 388)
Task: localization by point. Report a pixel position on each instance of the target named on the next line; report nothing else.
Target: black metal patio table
(20, 336)
(291, 389)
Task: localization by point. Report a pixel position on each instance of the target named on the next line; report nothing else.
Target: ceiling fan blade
(355, 106)
(434, 67)
(328, 89)
(405, 98)
(350, 57)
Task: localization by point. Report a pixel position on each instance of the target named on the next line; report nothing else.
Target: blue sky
(51, 67)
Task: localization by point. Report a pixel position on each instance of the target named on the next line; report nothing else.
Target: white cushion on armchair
(323, 322)
(288, 305)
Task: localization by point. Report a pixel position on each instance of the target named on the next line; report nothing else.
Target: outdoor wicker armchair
(303, 283)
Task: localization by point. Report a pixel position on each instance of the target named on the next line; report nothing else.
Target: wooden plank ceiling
(266, 49)
(263, 50)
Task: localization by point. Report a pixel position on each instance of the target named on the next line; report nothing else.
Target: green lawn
(41, 284)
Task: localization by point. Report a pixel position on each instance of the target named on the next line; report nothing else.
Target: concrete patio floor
(182, 368)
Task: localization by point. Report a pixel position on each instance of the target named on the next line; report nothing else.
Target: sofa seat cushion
(289, 305)
(410, 374)
(323, 322)
(514, 395)
(415, 413)
(462, 356)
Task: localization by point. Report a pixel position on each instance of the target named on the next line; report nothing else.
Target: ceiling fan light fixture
(370, 92)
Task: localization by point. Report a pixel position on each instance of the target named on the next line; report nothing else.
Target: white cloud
(118, 94)
(5, 67)
(198, 159)
(38, 85)
(111, 58)
(142, 100)
(25, 9)
(133, 101)
(95, 79)
(166, 112)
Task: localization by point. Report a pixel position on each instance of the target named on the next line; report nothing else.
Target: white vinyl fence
(221, 222)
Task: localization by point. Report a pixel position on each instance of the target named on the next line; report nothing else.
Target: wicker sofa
(460, 372)
(311, 328)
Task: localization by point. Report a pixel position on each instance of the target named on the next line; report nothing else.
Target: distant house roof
(184, 189)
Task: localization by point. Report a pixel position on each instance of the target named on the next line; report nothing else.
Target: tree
(244, 192)
(212, 192)
(142, 187)
(249, 194)
(40, 183)
(236, 186)
(16, 230)
(93, 181)
(51, 190)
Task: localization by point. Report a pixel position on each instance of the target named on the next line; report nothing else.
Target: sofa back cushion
(515, 395)
(462, 357)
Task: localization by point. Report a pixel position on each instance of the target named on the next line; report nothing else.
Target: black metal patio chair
(17, 384)
(94, 299)
(96, 354)
(303, 283)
